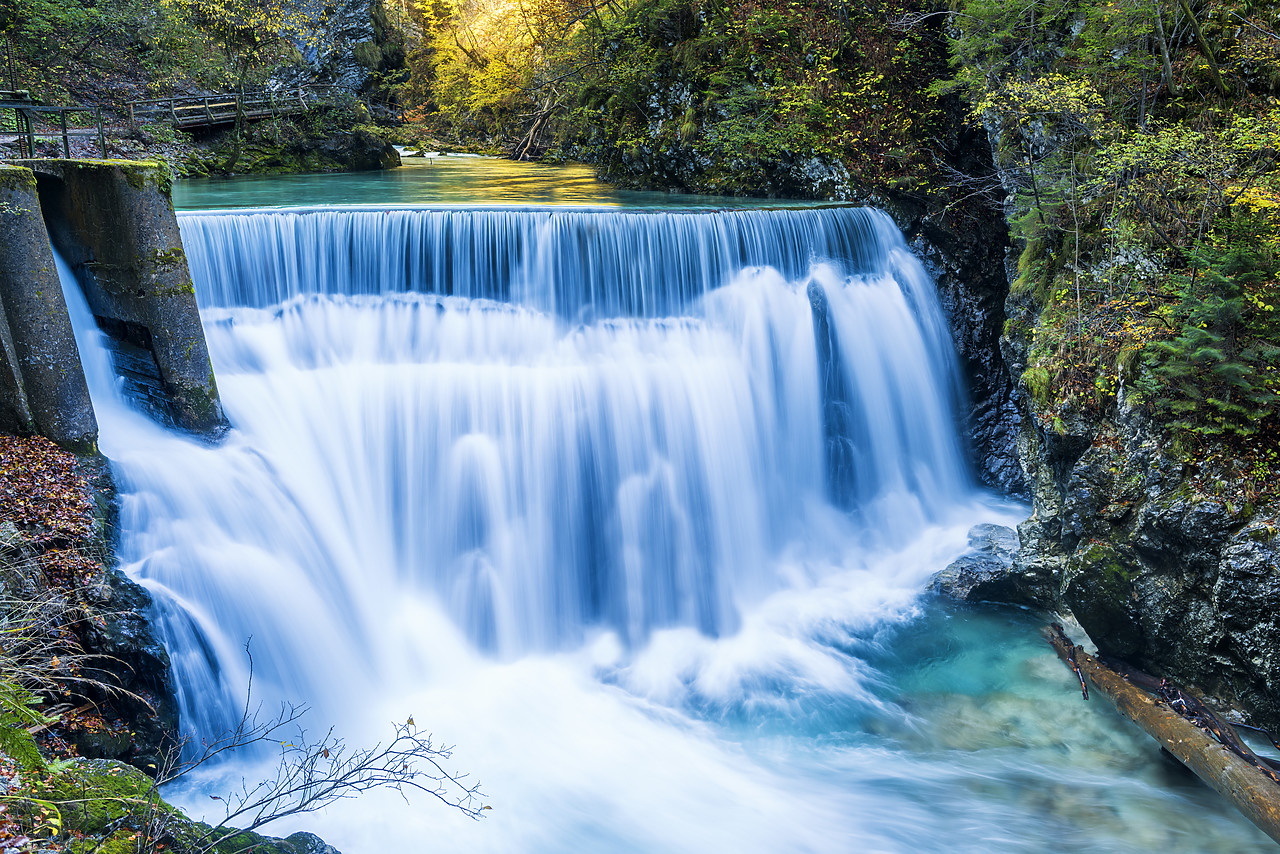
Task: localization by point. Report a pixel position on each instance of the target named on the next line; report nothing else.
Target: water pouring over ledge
(633, 508)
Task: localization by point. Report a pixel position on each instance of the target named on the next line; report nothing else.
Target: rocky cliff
(1169, 561)
(1168, 565)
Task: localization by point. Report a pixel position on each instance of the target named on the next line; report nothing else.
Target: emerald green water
(445, 180)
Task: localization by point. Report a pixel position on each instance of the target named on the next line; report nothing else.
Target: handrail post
(102, 137)
(23, 151)
(173, 110)
(66, 138)
(208, 113)
(31, 133)
(132, 119)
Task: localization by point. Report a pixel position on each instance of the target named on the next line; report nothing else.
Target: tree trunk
(1248, 787)
(1204, 48)
(526, 148)
(1164, 55)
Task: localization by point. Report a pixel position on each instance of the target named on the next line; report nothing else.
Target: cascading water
(622, 504)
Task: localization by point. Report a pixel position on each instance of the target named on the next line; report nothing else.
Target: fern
(18, 711)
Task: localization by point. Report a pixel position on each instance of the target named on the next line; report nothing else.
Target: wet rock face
(140, 665)
(1156, 567)
(966, 260)
(335, 55)
(985, 571)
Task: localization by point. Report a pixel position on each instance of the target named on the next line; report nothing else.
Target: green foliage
(62, 45)
(254, 35)
(1141, 145)
(19, 709)
(738, 95)
(754, 88)
(1218, 375)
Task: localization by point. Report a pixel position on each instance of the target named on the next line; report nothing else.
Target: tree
(255, 35)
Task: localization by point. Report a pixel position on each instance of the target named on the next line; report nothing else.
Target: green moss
(1101, 556)
(136, 178)
(17, 178)
(97, 796)
(1262, 534)
(105, 804)
(167, 257)
(122, 842)
(1036, 380)
(200, 408)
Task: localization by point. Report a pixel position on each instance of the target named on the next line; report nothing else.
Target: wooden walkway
(33, 120)
(191, 112)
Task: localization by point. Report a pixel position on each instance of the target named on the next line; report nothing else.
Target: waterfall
(471, 440)
(566, 262)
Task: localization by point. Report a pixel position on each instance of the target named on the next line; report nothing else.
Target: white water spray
(603, 498)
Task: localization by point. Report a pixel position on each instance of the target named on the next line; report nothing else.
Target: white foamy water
(633, 509)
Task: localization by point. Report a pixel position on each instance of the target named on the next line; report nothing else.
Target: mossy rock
(105, 804)
(17, 179)
(1098, 586)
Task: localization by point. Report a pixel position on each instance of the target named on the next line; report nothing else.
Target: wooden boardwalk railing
(34, 121)
(205, 111)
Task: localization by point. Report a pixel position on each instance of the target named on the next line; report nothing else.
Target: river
(632, 499)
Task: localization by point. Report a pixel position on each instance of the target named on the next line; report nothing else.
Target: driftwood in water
(1249, 787)
(1194, 710)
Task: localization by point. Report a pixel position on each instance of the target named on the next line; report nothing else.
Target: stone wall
(42, 386)
(113, 222)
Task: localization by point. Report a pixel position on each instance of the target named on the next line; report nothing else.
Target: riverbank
(83, 675)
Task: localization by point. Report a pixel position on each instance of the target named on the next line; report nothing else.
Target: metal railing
(202, 111)
(33, 121)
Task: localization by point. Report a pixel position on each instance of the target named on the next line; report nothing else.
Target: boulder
(986, 571)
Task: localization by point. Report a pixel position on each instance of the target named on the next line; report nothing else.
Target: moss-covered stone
(107, 806)
(323, 140)
(114, 222)
(17, 179)
(42, 385)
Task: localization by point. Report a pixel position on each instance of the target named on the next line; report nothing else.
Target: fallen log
(1249, 788)
(1194, 710)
